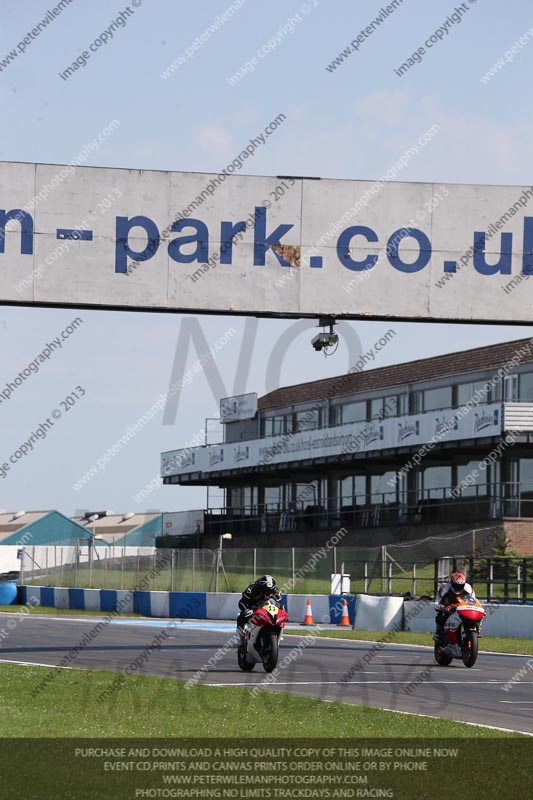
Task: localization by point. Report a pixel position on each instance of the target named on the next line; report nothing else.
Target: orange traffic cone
(345, 617)
(308, 620)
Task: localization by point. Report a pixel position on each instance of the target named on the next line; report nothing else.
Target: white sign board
(241, 406)
(265, 246)
(183, 523)
(356, 437)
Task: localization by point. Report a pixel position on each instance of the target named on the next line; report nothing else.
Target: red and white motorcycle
(462, 632)
(262, 633)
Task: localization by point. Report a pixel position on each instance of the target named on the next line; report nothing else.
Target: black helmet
(457, 582)
(267, 584)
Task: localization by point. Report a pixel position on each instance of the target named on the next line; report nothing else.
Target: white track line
(460, 721)
(32, 664)
(407, 713)
(364, 683)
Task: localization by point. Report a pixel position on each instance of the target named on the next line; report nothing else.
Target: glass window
(234, 498)
(353, 412)
(435, 480)
(308, 420)
(273, 497)
(277, 426)
(510, 390)
(352, 490)
(526, 474)
(336, 415)
(346, 491)
(415, 402)
(273, 426)
(464, 393)
(471, 479)
(438, 398)
(391, 406)
(525, 387)
(306, 494)
(383, 488)
(376, 408)
(359, 490)
(249, 498)
(481, 390)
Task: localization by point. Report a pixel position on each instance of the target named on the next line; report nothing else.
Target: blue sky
(352, 122)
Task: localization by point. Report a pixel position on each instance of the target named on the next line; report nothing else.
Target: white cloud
(387, 108)
(216, 141)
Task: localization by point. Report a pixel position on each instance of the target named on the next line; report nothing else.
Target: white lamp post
(220, 565)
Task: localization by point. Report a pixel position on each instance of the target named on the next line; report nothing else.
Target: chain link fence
(393, 569)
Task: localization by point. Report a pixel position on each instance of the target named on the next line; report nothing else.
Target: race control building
(392, 453)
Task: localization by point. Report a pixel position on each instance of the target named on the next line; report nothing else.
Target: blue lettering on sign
(527, 258)
(227, 231)
(424, 254)
(262, 242)
(26, 229)
(503, 266)
(138, 238)
(201, 238)
(123, 251)
(344, 250)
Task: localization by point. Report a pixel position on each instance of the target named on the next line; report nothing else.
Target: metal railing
(503, 578)
(477, 502)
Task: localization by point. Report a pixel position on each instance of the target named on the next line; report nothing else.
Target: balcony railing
(444, 505)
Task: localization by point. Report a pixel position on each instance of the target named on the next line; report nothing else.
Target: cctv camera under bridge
(328, 339)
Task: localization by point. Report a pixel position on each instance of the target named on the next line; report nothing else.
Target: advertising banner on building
(241, 406)
(357, 437)
(137, 239)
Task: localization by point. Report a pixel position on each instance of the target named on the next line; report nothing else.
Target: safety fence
(394, 569)
(504, 578)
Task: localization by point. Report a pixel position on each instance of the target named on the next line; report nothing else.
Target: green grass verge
(498, 644)
(70, 705)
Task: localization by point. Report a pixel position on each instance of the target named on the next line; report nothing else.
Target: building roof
(137, 530)
(116, 523)
(464, 361)
(35, 528)
(11, 521)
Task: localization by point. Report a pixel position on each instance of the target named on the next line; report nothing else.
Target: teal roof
(144, 535)
(52, 528)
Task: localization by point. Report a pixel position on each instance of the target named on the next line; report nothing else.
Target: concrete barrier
(222, 605)
(419, 616)
(370, 613)
(378, 613)
(502, 619)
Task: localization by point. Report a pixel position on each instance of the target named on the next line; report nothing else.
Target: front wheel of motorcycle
(469, 651)
(270, 652)
(441, 657)
(243, 664)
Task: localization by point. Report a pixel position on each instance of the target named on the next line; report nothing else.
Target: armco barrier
(386, 612)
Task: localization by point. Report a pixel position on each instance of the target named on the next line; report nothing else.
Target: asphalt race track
(396, 677)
